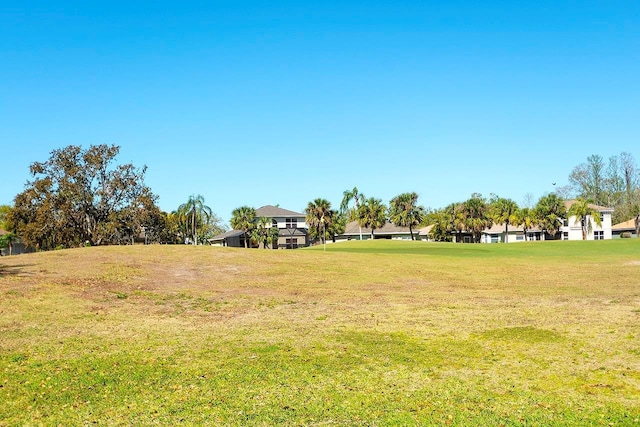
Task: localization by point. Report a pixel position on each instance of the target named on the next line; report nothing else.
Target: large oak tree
(81, 196)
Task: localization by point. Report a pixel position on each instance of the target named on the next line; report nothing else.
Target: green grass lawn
(366, 333)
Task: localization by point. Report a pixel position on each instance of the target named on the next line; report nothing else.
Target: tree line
(477, 213)
(83, 197)
(325, 222)
(613, 183)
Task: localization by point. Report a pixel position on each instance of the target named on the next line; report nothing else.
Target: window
(292, 243)
(519, 238)
(565, 235)
(598, 235)
(601, 217)
(292, 222)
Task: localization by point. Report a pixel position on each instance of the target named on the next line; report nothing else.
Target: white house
(496, 234)
(572, 228)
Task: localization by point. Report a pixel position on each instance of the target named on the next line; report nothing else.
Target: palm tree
(454, 213)
(504, 211)
(549, 213)
(405, 212)
(260, 234)
(274, 235)
(243, 218)
(319, 216)
(585, 213)
(526, 219)
(372, 214)
(440, 222)
(195, 212)
(352, 213)
(338, 225)
(475, 216)
(7, 240)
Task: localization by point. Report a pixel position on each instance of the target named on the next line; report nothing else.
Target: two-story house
(572, 227)
(293, 231)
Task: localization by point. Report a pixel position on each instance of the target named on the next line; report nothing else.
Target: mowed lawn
(364, 333)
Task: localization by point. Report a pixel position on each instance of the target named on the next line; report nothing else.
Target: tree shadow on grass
(13, 270)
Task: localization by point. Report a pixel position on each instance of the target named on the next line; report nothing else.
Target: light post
(324, 235)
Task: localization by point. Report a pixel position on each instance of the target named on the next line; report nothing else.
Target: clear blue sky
(281, 102)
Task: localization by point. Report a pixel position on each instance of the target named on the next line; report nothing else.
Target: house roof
(623, 226)
(425, 230)
(499, 228)
(353, 228)
(569, 203)
(231, 233)
(291, 232)
(274, 211)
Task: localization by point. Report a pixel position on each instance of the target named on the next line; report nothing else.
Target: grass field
(366, 333)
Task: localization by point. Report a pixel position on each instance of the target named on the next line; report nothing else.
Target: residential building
(353, 231)
(572, 228)
(626, 228)
(292, 226)
(293, 231)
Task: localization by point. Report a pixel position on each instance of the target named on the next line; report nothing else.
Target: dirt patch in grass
(533, 334)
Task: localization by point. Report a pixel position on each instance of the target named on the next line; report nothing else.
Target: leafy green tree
(5, 210)
(372, 213)
(194, 213)
(503, 211)
(474, 215)
(319, 217)
(588, 179)
(80, 196)
(549, 213)
(211, 227)
(244, 219)
(585, 214)
(8, 238)
(404, 211)
(616, 185)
